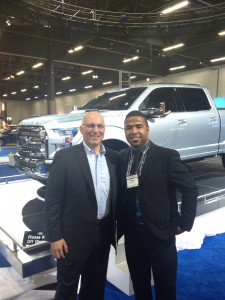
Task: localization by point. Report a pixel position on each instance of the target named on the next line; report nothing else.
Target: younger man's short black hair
(136, 113)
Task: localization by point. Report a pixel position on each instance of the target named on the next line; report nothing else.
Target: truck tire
(115, 145)
(2, 142)
(41, 192)
(223, 159)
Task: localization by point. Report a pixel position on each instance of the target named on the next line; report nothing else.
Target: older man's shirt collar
(90, 151)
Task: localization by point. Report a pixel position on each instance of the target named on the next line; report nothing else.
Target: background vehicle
(8, 135)
(180, 116)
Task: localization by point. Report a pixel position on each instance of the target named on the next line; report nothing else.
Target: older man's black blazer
(162, 175)
(70, 204)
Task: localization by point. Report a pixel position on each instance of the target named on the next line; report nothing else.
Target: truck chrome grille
(31, 142)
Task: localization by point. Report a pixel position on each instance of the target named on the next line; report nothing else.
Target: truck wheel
(223, 159)
(41, 192)
(2, 142)
(115, 145)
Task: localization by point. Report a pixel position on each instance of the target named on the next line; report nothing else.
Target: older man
(80, 212)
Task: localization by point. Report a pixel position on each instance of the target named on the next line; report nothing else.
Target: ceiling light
(221, 33)
(38, 65)
(20, 73)
(94, 76)
(58, 93)
(66, 78)
(27, 99)
(8, 22)
(107, 82)
(24, 90)
(5, 95)
(87, 72)
(201, 63)
(217, 59)
(175, 7)
(78, 48)
(177, 68)
(72, 90)
(13, 93)
(125, 60)
(88, 87)
(173, 47)
(9, 77)
(132, 77)
(36, 87)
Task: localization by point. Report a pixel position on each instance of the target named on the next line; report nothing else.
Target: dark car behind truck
(8, 136)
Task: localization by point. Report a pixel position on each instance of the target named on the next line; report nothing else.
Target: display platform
(22, 211)
(16, 219)
(209, 176)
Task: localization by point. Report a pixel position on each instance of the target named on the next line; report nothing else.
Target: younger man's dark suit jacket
(162, 175)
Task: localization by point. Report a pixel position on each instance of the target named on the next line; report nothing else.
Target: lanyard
(141, 163)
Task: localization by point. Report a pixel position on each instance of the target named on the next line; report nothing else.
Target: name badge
(132, 181)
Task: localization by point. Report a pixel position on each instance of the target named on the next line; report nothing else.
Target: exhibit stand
(24, 245)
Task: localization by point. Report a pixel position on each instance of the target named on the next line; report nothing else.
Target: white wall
(213, 78)
(221, 81)
(206, 77)
(67, 103)
(18, 110)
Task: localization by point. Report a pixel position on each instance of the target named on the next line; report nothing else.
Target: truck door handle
(181, 122)
(213, 120)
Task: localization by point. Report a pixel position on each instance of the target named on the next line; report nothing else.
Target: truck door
(203, 123)
(170, 131)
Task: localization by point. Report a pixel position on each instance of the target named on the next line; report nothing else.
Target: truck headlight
(67, 132)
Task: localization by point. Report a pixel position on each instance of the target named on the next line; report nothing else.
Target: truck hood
(51, 120)
(48, 119)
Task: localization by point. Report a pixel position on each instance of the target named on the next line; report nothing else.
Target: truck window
(117, 100)
(162, 98)
(194, 99)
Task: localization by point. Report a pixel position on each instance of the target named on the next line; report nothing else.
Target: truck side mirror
(152, 112)
(155, 113)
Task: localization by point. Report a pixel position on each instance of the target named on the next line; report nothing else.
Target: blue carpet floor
(6, 169)
(201, 273)
(4, 151)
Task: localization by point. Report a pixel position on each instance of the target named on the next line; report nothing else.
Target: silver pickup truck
(180, 116)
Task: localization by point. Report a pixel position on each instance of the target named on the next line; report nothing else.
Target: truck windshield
(117, 100)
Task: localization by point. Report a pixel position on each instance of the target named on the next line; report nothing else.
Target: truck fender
(114, 138)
